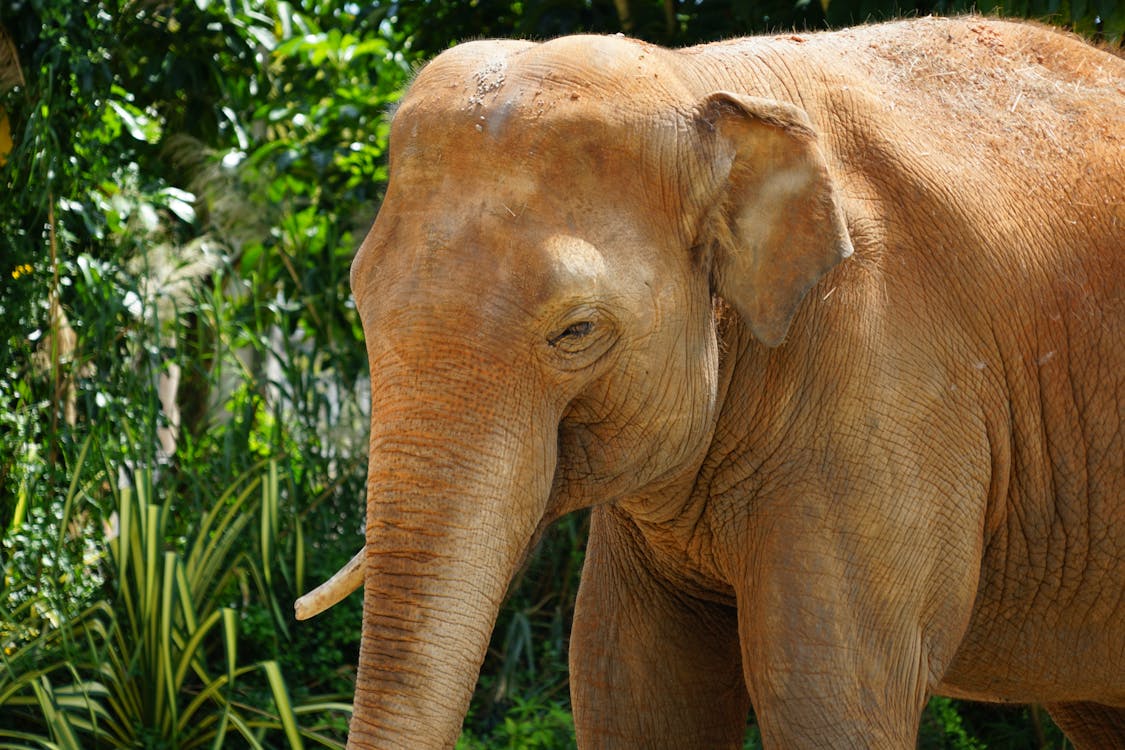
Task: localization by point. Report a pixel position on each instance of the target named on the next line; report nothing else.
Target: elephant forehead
(573, 171)
(574, 257)
(583, 179)
(520, 92)
(520, 128)
(585, 64)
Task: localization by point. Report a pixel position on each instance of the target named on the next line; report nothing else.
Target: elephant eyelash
(573, 331)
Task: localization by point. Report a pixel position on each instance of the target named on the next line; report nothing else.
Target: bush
(155, 662)
(174, 239)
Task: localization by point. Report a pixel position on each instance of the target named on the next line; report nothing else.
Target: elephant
(827, 330)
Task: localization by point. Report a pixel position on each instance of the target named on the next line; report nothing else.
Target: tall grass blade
(230, 643)
(71, 494)
(21, 508)
(269, 513)
(246, 732)
(203, 567)
(188, 654)
(27, 736)
(57, 722)
(186, 600)
(284, 707)
(164, 664)
(121, 547)
(299, 555)
(148, 578)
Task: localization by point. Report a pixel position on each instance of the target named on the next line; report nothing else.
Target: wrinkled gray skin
(612, 275)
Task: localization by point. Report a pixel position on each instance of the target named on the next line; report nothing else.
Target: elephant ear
(780, 226)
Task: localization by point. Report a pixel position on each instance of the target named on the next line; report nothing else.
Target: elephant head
(538, 296)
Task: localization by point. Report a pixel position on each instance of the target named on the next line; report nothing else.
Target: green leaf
(180, 202)
(281, 700)
(57, 721)
(268, 530)
(299, 555)
(165, 666)
(140, 125)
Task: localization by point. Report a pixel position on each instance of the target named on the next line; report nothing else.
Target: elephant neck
(770, 402)
(671, 522)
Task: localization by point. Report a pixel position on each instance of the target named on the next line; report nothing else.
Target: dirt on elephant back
(1024, 83)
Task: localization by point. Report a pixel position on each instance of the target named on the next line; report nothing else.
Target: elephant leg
(650, 667)
(1090, 725)
(843, 640)
(812, 689)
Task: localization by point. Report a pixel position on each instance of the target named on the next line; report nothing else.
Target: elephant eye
(572, 332)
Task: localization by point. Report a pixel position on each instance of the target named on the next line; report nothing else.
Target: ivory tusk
(346, 580)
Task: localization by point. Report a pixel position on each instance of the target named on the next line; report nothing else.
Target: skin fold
(828, 329)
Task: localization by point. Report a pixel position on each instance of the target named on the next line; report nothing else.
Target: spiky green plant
(43, 693)
(156, 664)
(177, 609)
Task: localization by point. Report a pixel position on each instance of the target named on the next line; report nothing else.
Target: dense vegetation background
(182, 375)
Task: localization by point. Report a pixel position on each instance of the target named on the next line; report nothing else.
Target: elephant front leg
(1090, 725)
(842, 641)
(650, 667)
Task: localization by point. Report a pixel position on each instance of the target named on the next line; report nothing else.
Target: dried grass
(11, 74)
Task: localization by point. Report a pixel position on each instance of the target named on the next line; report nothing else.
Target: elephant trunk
(454, 499)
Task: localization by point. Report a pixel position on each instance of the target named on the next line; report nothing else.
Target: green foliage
(182, 222)
(156, 663)
(44, 664)
(943, 728)
(168, 604)
(529, 724)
